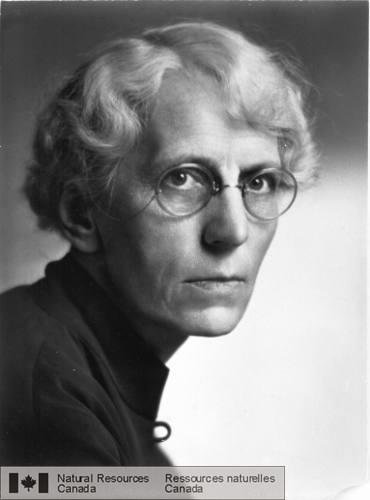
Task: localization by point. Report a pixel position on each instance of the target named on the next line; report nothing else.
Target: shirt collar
(140, 374)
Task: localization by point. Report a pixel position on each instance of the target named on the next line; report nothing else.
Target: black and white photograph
(183, 238)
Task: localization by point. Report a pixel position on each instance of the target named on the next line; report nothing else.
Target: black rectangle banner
(43, 482)
(13, 482)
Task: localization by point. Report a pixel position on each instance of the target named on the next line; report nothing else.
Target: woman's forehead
(187, 120)
(183, 102)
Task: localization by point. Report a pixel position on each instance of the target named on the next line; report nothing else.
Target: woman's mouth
(219, 283)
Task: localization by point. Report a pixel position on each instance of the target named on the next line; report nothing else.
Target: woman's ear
(77, 220)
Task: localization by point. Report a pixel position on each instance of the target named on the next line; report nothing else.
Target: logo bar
(143, 483)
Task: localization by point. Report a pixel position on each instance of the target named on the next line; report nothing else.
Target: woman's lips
(215, 284)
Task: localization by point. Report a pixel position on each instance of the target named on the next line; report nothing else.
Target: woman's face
(190, 275)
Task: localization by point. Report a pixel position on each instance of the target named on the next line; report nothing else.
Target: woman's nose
(226, 224)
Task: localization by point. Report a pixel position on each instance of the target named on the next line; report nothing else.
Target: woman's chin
(212, 322)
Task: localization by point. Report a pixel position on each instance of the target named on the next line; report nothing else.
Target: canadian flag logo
(28, 482)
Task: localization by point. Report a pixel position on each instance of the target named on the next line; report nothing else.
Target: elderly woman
(165, 161)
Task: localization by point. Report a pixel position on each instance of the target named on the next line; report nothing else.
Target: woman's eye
(184, 179)
(263, 183)
(178, 178)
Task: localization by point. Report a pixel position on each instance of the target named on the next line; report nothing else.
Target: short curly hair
(100, 114)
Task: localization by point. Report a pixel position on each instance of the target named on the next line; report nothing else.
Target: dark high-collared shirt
(78, 386)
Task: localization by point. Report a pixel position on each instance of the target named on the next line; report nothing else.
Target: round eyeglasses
(187, 188)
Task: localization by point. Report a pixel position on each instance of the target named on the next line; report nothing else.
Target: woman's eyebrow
(173, 161)
(255, 167)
